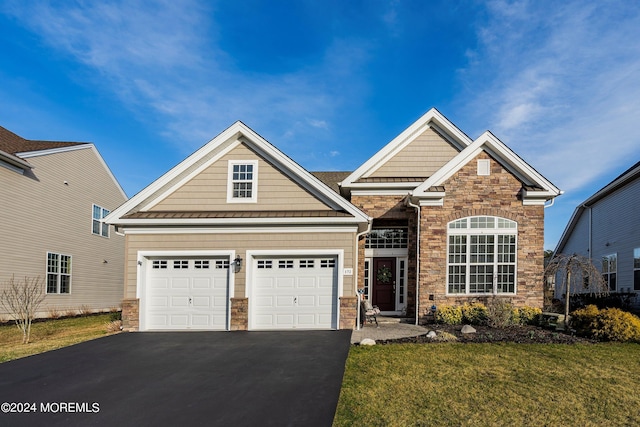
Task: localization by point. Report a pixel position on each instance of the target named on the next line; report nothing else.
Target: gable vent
(484, 167)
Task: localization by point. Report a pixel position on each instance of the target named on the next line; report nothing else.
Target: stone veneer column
(131, 315)
(348, 312)
(239, 314)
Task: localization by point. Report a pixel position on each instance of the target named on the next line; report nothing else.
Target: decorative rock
(368, 341)
(468, 329)
(431, 334)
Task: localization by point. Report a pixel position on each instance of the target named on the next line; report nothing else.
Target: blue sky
(328, 82)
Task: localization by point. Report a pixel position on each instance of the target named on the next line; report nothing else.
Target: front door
(384, 283)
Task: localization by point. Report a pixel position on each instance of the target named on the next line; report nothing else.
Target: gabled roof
(536, 188)
(626, 177)
(431, 119)
(134, 211)
(13, 146)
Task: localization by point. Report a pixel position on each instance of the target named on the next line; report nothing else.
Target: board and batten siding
(41, 213)
(240, 242)
(207, 191)
(421, 158)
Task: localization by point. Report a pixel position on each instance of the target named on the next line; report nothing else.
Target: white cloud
(558, 82)
(165, 57)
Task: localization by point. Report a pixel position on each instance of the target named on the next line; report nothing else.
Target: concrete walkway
(389, 328)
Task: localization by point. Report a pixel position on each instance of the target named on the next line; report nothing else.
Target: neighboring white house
(53, 196)
(606, 228)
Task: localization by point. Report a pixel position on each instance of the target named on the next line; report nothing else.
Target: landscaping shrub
(449, 315)
(474, 313)
(611, 324)
(583, 320)
(527, 315)
(499, 313)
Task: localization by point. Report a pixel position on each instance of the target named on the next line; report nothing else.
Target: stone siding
(239, 314)
(348, 312)
(130, 315)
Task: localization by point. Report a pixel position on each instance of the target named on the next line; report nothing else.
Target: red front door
(384, 283)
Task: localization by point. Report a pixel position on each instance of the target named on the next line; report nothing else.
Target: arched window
(481, 255)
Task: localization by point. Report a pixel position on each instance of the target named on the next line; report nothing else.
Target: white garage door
(186, 293)
(289, 293)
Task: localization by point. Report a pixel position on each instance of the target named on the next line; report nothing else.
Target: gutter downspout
(418, 211)
(358, 235)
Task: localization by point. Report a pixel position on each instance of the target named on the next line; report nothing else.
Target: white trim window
(610, 270)
(98, 227)
(481, 255)
(58, 273)
(242, 181)
(636, 269)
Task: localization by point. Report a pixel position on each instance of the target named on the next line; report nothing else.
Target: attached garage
(294, 292)
(183, 293)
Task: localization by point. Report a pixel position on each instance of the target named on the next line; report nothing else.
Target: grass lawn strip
(50, 335)
(491, 384)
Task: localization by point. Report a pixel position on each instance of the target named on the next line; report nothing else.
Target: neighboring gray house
(54, 196)
(606, 228)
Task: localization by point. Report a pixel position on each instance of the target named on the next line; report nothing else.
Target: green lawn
(491, 384)
(50, 335)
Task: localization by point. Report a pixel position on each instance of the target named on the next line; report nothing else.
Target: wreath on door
(384, 274)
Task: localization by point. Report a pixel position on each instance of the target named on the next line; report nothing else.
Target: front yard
(51, 335)
(491, 384)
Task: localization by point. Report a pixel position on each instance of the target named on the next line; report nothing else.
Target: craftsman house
(239, 236)
(53, 198)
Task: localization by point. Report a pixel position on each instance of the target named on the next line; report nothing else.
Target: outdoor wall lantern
(237, 264)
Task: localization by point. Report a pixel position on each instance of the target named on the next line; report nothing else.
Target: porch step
(386, 319)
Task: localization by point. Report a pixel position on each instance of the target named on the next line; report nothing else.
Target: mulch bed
(485, 334)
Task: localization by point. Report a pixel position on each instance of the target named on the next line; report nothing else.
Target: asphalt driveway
(288, 378)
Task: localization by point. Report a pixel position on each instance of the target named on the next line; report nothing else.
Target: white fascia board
(171, 189)
(335, 200)
(242, 230)
(450, 168)
(82, 146)
(435, 201)
(14, 161)
(509, 157)
(37, 153)
(173, 173)
(501, 153)
(432, 116)
(380, 192)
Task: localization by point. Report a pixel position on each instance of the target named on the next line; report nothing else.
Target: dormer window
(243, 181)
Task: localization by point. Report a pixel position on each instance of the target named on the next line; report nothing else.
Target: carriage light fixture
(237, 264)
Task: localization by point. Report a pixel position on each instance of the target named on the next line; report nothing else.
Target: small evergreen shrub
(527, 315)
(611, 324)
(449, 315)
(583, 320)
(475, 313)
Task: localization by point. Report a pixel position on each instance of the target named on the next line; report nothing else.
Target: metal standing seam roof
(235, 214)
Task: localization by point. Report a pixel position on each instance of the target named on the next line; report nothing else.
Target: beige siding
(240, 242)
(208, 190)
(421, 158)
(41, 213)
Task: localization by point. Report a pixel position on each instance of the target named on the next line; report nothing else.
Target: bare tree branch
(21, 300)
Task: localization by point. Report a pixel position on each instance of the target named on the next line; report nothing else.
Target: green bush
(611, 324)
(527, 315)
(449, 315)
(474, 313)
